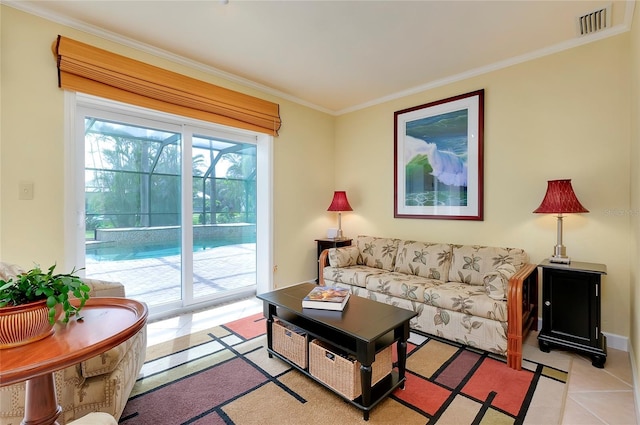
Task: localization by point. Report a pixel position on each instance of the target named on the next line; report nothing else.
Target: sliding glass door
(132, 205)
(224, 215)
(170, 208)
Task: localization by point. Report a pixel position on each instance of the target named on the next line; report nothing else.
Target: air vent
(595, 21)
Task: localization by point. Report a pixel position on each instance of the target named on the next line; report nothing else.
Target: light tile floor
(594, 397)
(601, 396)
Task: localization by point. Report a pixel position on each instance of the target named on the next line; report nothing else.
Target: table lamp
(560, 199)
(339, 204)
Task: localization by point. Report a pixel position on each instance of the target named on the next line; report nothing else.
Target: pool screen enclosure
(134, 207)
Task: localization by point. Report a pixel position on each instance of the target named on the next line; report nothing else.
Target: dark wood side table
(571, 309)
(330, 243)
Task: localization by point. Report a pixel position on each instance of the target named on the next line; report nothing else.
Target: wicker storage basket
(342, 373)
(291, 342)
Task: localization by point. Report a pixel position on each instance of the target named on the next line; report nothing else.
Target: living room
(568, 114)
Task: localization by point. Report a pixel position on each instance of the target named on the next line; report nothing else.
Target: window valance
(94, 71)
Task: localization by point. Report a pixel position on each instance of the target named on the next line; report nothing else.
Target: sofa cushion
(353, 275)
(430, 260)
(377, 252)
(466, 299)
(8, 271)
(344, 256)
(496, 283)
(401, 285)
(470, 263)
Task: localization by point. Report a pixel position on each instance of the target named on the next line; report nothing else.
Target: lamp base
(339, 236)
(561, 260)
(559, 251)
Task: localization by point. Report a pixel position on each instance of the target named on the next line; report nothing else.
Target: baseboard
(634, 373)
(617, 342)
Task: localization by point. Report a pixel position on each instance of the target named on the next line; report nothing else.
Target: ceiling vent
(596, 21)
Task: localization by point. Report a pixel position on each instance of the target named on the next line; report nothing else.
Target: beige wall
(634, 334)
(1, 67)
(561, 116)
(32, 132)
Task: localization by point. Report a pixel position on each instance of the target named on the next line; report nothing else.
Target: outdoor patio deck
(157, 280)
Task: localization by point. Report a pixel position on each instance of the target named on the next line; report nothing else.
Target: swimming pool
(122, 252)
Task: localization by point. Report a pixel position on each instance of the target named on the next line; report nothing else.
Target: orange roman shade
(94, 71)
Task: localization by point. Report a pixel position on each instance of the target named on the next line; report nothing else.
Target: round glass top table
(106, 322)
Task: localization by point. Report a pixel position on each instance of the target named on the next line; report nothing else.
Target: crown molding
(33, 9)
(566, 45)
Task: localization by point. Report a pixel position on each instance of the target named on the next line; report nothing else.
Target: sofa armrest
(105, 362)
(522, 310)
(103, 288)
(98, 288)
(323, 262)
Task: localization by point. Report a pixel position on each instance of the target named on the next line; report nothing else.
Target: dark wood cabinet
(330, 243)
(571, 309)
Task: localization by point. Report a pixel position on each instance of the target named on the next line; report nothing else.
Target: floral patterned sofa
(484, 297)
(100, 384)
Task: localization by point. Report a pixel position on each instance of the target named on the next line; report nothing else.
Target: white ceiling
(338, 56)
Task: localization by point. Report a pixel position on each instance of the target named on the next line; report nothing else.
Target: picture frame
(438, 159)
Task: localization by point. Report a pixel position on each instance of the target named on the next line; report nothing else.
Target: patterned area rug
(224, 376)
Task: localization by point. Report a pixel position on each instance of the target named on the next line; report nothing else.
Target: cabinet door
(571, 306)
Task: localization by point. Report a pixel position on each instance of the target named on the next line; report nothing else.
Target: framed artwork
(438, 159)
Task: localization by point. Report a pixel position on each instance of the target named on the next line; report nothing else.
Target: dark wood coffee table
(363, 328)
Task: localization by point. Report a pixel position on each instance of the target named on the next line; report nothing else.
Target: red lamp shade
(560, 199)
(339, 202)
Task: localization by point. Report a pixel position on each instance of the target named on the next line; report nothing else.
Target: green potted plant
(39, 296)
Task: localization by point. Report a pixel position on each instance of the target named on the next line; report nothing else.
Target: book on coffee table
(326, 298)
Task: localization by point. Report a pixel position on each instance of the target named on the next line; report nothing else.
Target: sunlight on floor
(167, 329)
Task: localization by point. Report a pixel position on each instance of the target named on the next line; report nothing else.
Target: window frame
(75, 104)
